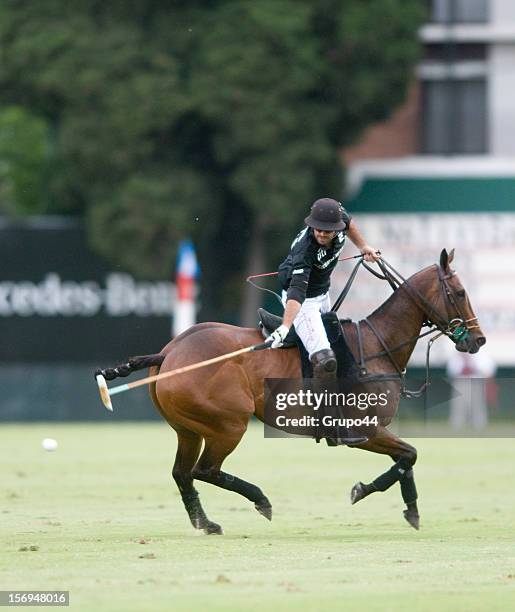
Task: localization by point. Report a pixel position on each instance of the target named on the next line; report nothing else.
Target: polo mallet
(106, 393)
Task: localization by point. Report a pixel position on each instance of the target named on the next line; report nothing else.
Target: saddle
(347, 370)
(347, 366)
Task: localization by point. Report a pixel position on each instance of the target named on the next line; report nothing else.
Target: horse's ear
(451, 257)
(444, 260)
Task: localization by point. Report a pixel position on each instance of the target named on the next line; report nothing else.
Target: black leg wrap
(195, 511)
(408, 488)
(395, 473)
(244, 488)
(197, 515)
(233, 483)
(409, 495)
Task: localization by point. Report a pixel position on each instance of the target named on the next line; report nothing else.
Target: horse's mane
(395, 294)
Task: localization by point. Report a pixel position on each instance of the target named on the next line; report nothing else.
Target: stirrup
(324, 364)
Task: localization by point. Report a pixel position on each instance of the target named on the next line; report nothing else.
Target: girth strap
(362, 366)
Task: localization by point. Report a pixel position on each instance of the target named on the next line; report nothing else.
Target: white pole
(187, 272)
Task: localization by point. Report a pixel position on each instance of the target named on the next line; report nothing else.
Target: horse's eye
(461, 293)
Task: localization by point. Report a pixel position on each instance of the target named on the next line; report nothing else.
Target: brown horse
(214, 404)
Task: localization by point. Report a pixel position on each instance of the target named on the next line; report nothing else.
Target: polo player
(305, 279)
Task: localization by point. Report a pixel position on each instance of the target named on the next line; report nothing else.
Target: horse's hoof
(265, 509)
(357, 493)
(213, 529)
(413, 518)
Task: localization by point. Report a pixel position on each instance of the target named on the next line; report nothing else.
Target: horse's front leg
(404, 455)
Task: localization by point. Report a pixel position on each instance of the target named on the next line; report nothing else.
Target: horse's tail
(134, 364)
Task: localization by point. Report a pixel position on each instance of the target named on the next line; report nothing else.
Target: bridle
(456, 328)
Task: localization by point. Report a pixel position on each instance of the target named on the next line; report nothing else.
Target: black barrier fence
(60, 392)
(59, 302)
(64, 311)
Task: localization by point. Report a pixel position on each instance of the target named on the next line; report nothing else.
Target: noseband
(457, 329)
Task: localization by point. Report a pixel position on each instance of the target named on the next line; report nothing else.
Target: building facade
(463, 99)
(441, 171)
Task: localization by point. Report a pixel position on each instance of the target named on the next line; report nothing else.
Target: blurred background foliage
(217, 119)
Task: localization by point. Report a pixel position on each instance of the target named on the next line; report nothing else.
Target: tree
(215, 118)
(25, 161)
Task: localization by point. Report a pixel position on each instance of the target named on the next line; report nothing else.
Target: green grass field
(109, 525)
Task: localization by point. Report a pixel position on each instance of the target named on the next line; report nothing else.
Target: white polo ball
(49, 444)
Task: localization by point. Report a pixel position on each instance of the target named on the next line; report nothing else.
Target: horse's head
(453, 308)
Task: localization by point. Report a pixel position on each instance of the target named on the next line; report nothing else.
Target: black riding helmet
(326, 214)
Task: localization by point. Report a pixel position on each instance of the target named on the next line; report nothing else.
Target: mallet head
(104, 392)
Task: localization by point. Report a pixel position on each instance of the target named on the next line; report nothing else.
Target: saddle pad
(346, 363)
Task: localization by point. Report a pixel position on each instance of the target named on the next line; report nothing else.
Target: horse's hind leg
(208, 470)
(188, 450)
(404, 455)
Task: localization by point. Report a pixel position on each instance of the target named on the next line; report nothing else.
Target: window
(454, 116)
(459, 11)
(445, 52)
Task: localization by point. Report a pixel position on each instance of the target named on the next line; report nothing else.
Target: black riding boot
(324, 372)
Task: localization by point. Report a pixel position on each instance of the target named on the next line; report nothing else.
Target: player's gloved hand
(277, 337)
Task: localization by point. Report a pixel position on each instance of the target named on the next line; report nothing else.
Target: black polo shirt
(307, 270)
